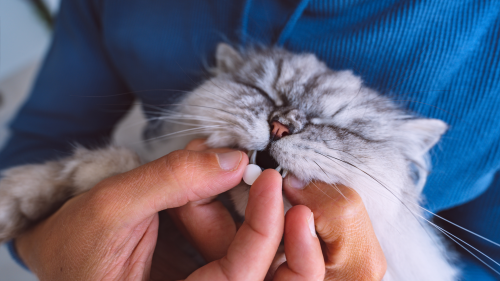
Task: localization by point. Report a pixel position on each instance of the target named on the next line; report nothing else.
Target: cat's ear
(227, 58)
(423, 133)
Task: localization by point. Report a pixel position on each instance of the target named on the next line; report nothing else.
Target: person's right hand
(110, 232)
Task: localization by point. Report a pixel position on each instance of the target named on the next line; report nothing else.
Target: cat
(336, 131)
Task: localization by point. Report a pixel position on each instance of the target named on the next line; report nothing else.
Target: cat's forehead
(298, 80)
(277, 64)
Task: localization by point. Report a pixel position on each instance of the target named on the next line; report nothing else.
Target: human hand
(350, 248)
(110, 232)
(210, 227)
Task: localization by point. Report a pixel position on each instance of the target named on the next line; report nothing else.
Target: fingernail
(295, 182)
(230, 160)
(312, 228)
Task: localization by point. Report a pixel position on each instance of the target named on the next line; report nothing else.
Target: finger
(168, 182)
(302, 248)
(208, 225)
(197, 145)
(351, 248)
(145, 245)
(254, 246)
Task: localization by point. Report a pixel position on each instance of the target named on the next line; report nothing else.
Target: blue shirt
(439, 59)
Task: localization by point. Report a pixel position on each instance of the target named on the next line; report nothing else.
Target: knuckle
(380, 271)
(377, 266)
(180, 161)
(352, 205)
(226, 265)
(185, 168)
(196, 144)
(101, 204)
(179, 167)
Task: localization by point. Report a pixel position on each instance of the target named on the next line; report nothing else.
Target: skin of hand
(350, 247)
(209, 226)
(110, 232)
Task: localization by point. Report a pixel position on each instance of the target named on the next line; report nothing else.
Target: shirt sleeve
(76, 99)
(78, 96)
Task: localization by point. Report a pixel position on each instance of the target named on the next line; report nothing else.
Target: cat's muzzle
(265, 161)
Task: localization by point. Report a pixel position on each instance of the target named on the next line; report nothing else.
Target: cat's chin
(264, 160)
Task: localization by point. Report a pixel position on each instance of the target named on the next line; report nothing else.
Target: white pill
(252, 172)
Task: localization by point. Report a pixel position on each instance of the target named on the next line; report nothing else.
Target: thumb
(171, 181)
(350, 246)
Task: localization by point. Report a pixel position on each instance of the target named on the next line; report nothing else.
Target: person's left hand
(350, 248)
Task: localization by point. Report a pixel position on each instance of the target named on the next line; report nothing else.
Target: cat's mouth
(264, 160)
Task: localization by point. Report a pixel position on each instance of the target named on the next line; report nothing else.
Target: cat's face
(337, 129)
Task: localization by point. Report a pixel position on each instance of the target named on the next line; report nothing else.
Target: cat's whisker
(201, 86)
(249, 154)
(253, 158)
(445, 232)
(158, 108)
(326, 194)
(186, 130)
(211, 80)
(195, 133)
(174, 119)
(454, 238)
(173, 115)
(285, 172)
(229, 121)
(134, 92)
(463, 228)
(167, 112)
(341, 150)
(379, 182)
(184, 104)
(184, 123)
(228, 103)
(442, 230)
(185, 117)
(204, 106)
(336, 188)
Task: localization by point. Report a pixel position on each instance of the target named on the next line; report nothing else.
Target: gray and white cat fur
(341, 133)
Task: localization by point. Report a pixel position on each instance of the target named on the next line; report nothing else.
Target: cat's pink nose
(278, 130)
